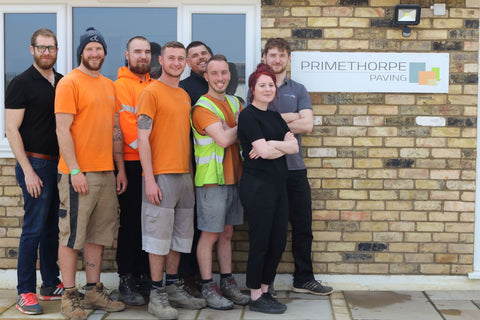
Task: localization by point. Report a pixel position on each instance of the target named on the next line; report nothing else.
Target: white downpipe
(476, 235)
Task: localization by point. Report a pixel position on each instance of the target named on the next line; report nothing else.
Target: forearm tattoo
(144, 122)
(117, 134)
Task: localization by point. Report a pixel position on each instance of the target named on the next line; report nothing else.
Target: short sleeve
(202, 118)
(14, 97)
(249, 127)
(304, 101)
(146, 104)
(66, 97)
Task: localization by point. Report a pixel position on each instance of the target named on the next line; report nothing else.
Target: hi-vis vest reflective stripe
(209, 155)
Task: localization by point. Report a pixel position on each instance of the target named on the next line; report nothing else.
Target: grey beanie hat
(90, 35)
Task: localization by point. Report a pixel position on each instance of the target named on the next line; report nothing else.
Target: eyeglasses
(42, 49)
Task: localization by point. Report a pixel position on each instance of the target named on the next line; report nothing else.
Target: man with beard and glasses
(219, 167)
(168, 199)
(132, 261)
(90, 140)
(30, 129)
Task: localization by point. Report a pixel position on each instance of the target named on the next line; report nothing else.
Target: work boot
(159, 305)
(143, 284)
(180, 298)
(128, 291)
(71, 308)
(215, 300)
(229, 289)
(96, 298)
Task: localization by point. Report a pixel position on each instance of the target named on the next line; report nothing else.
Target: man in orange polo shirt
(132, 261)
(86, 110)
(168, 199)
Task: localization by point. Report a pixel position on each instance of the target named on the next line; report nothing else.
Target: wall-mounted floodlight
(406, 15)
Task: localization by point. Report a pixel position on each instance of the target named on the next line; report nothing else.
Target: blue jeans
(40, 227)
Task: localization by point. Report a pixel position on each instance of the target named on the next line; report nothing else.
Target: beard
(44, 64)
(93, 67)
(140, 68)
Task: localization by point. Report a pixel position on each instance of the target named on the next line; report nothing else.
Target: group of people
(85, 144)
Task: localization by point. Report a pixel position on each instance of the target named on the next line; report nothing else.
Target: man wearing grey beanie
(86, 109)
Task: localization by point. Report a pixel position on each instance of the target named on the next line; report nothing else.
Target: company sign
(371, 72)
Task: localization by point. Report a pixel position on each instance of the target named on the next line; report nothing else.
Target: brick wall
(389, 196)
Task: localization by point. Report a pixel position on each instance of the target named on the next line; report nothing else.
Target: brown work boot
(96, 298)
(71, 308)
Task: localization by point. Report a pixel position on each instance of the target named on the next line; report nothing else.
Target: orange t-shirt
(202, 118)
(169, 109)
(93, 102)
(128, 87)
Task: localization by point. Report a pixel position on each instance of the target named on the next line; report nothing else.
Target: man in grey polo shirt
(293, 102)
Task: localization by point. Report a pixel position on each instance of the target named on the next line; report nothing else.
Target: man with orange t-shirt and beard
(89, 138)
(132, 261)
(168, 199)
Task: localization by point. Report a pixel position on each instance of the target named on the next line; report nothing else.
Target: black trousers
(300, 217)
(266, 207)
(131, 259)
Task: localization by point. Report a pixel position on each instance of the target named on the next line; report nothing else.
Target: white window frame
(185, 9)
(60, 11)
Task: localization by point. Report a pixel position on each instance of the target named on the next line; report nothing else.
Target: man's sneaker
(215, 300)
(51, 293)
(159, 305)
(267, 304)
(229, 289)
(28, 303)
(71, 308)
(313, 287)
(180, 298)
(96, 298)
(271, 290)
(128, 291)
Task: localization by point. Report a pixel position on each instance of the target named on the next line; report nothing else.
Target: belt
(41, 156)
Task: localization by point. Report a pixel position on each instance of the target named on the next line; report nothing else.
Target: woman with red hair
(265, 139)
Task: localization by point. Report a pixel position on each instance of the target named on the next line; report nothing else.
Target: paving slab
(297, 309)
(141, 313)
(209, 314)
(454, 295)
(458, 309)
(390, 305)
(51, 311)
(7, 299)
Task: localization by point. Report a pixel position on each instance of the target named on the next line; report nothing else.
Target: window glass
(18, 30)
(117, 25)
(224, 34)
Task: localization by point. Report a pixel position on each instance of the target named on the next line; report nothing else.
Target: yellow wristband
(74, 172)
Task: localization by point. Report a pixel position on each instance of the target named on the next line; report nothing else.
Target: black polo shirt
(32, 92)
(195, 85)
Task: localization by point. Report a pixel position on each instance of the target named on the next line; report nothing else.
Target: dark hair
(262, 69)
(43, 32)
(172, 44)
(279, 43)
(217, 57)
(194, 44)
(136, 38)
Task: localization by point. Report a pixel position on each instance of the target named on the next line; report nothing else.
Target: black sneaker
(51, 293)
(313, 287)
(128, 291)
(267, 304)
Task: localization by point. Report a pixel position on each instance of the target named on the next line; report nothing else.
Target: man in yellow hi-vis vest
(219, 167)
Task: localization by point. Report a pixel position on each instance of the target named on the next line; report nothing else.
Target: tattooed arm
(118, 156)
(152, 191)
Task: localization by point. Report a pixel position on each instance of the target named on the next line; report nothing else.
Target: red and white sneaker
(28, 303)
